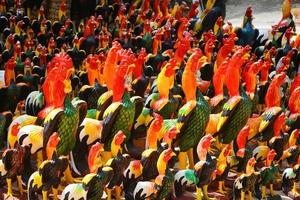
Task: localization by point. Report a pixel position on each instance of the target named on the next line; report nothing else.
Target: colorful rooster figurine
(273, 109)
(163, 102)
(289, 178)
(118, 163)
(237, 110)
(120, 114)
(205, 169)
(246, 182)
(194, 115)
(49, 173)
(268, 173)
(66, 118)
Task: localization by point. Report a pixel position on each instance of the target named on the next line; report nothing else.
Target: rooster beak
(173, 154)
(213, 140)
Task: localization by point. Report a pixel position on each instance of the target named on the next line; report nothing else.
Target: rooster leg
(69, 178)
(263, 192)
(108, 192)
(68, 175)
(45, 194)
(272, 190)
(205, 193)
(20, 185)
(221, 187)
(190, 155)
(294, 190)
(40, 158)
(249, 195)
(9, 187)
(182, 160)
(199, 193)
(28, 12)
(242, 195)
(118, 190)
(55, 193)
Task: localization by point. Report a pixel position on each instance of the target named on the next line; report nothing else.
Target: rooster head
(15, 129)
(270, 157)
(119, 138)
(172, 133)
(194, 60)
(249, 13)
(205, 142)
(171, 67)
(168, 154)
(226, 151)
(157, 122)
(135, 168)
(251, 162)
(52, 144)
(242, 140)
(57, 83)
(94, 157)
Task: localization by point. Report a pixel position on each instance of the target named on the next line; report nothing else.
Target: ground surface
(265, 12)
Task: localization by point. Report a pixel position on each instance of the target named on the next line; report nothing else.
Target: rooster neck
(69, 109)
(202, 154)
(249, 169)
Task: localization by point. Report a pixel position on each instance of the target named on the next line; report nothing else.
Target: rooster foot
(205, 194)
(8, 197)
(222, 189)
(294, 193)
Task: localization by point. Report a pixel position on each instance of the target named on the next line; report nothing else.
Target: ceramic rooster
(120, 114)
(118, 163)
(163, 102)
(286, 20)
(162, 184)
(132, 175)
(247, 34)
(219, 98)
(227, 46)
(49, 173)
(268, 173)
(273, 109)
(242, 149)
(246, 182)
(237, 110)
(64, 116)
(205, 169)
(289, 178)
(111, 64)
(196, 109)
(16, 162)
(91, 187)
(223, 167)
(88, 133)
